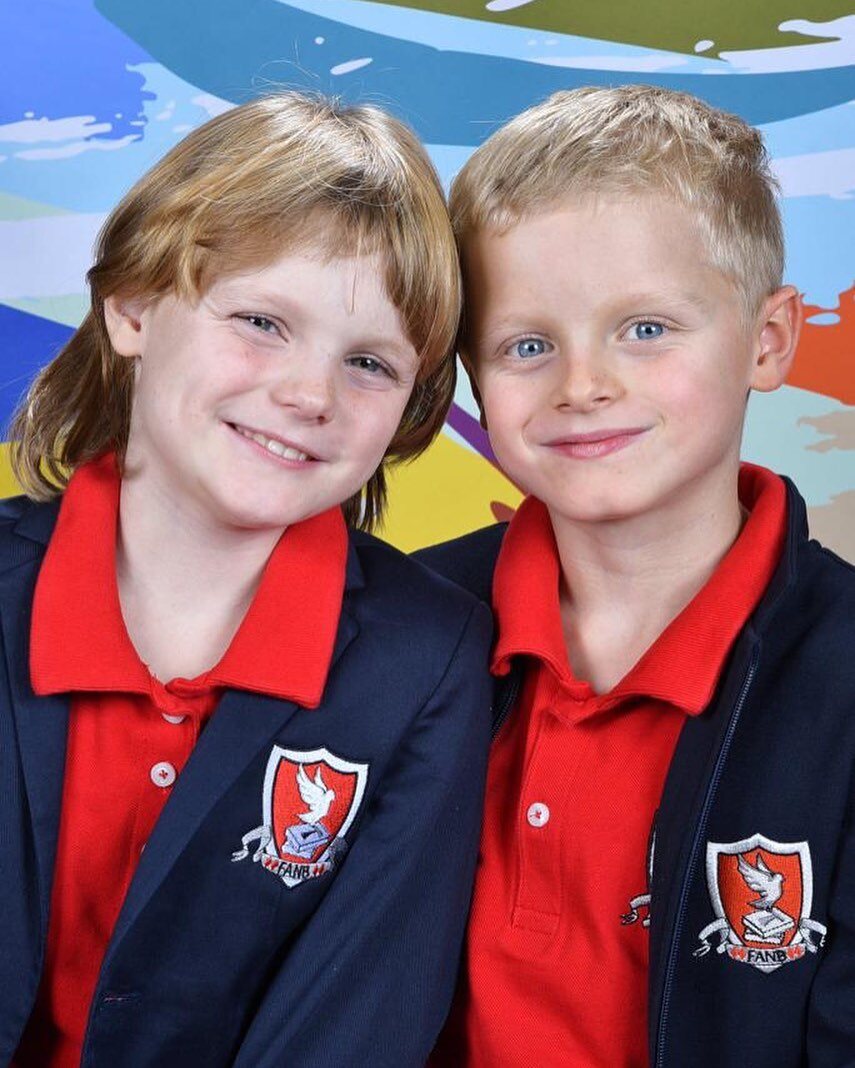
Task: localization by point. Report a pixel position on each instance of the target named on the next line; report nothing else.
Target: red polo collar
(79, 642)
(683, 665)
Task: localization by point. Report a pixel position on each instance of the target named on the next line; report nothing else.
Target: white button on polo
(163, 774)
(538, 814)
(173, 719)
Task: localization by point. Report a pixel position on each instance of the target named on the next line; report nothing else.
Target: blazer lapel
(41, 724)
(243, 725)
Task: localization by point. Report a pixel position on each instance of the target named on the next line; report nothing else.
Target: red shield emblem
(762, 894)
(310, 800)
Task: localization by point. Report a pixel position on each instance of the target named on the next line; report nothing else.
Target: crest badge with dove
(748, 882)
(310, 798)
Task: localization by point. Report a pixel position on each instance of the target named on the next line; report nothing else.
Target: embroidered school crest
(309, 801)
(762, 893)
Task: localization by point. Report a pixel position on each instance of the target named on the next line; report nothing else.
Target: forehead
(587, 251)
(347, 283)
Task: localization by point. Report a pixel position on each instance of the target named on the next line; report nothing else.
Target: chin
(250, 515)
(585, 505)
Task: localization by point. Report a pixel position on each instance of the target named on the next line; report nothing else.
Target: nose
(584, 381)
(306, 386)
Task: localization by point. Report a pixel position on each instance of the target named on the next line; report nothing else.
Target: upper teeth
(278, 448)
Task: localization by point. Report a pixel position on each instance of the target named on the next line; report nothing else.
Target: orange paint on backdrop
(825, 359)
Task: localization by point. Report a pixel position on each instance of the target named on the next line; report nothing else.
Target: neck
(623, 582)
(185, 583)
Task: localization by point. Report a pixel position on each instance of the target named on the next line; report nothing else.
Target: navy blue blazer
(224, 954)
(768, 770)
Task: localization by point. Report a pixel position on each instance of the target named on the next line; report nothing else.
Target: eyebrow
(243, 288)
(382, 344)
(514, 323)
(686, 299)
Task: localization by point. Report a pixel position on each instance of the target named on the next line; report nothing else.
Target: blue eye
(262, 323)
(647, 330)
(528, 347)
(370, 364)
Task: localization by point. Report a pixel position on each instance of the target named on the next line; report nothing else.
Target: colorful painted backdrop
(93, 91)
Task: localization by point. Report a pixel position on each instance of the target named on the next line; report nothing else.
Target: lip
(596, 443)
(271, 445)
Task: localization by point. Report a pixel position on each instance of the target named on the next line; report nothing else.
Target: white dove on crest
(760, 878)
(315, 794)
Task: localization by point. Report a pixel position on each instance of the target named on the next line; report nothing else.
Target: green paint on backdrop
(731, 25)
(12, 207)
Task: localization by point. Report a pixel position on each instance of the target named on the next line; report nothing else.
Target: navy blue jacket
(216, 962)
(768, 766)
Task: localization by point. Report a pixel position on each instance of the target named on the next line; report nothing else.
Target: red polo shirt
(555, 977)
(130, 735)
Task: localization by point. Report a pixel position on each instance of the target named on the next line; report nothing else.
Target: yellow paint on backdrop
(445, 492)
(8, 483)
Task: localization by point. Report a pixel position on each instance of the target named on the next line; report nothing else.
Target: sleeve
(831, 1015)
(369, 979)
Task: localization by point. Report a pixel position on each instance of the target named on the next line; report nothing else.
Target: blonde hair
(593, 142)
(277, 174)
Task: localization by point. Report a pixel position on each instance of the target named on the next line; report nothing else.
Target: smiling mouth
(596, 443)
(282, 449)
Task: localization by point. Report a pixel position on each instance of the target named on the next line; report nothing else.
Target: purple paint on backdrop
(468, 427)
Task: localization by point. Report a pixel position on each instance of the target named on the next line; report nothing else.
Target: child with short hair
(667, 871)
(241, 746)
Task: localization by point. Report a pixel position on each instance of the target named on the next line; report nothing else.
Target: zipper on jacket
(500, 714)
(671, 963)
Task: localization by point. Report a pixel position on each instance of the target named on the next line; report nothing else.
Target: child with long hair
(241, 740)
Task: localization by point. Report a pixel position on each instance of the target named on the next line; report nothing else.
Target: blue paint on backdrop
(819, 131)
(452, 98)
(61, 58)
(93, 182)
(819, 259)
(27, 343)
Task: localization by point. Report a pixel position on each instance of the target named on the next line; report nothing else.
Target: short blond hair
(592, 142)
(282, 173)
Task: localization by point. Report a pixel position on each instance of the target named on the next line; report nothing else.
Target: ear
(779, 325)
(123, 316)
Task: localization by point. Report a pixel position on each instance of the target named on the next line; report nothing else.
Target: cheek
(374, 421)
(704, 411)
(717, 394)
(689, 384)
(507, 403)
